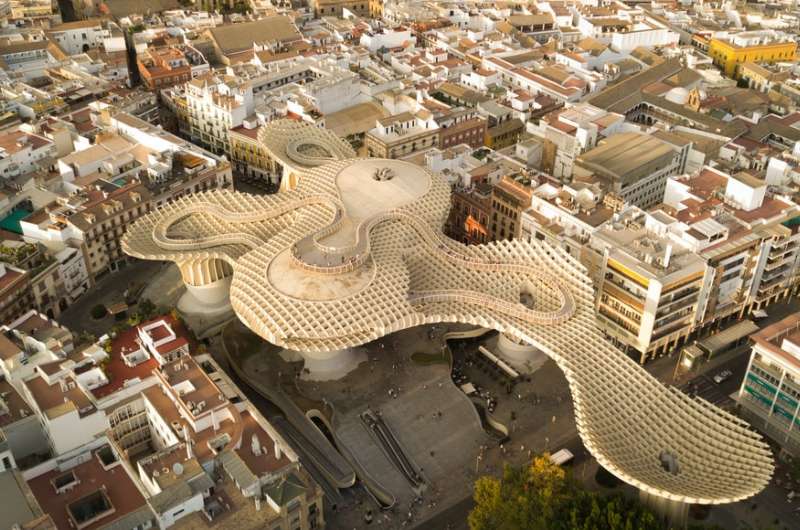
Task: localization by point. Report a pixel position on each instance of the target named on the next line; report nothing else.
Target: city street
(769, 508)
(703, 386)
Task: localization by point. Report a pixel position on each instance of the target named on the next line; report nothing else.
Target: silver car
(722, 376)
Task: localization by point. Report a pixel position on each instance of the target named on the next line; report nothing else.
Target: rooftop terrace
(92, 493)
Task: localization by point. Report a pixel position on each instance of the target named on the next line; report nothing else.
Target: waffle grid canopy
(356, 252)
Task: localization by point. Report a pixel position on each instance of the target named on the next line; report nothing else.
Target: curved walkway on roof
(300, 145)
(355, 255)
(406, 273)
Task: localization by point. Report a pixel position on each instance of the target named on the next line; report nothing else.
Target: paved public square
(434, 422)
(111, 288)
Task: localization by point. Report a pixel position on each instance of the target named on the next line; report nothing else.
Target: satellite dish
(177, 468)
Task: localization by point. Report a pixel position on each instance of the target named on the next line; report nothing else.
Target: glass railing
(761, 400)
(762, 384)
(787, 399)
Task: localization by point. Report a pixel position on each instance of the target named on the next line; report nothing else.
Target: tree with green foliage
(18, 254)
(541, 497)
(589, 511)
(146, 309)
(86, 337)
(98, 311)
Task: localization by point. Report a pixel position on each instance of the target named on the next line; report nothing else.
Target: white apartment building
(480, 79)
(624, 33)
(754, 259)
(29, 341)
(589, 54)
(72, 268)
(69, 417)
(110, 158)
(648, 287)
(388, 39)
(556, 81)
(770, 393)
(27, 58)
(574, 131)
(567, 216)
(746, 39)
(158, 340)
(22, 152)
(648, 33)
(80, 36)
(331, 91)
(216, 104)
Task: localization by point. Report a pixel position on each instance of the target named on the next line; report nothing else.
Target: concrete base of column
(676, 513)
(330, 365)
(523, 357)
(211, 299)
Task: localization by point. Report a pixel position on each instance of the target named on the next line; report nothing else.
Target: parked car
(722, 376)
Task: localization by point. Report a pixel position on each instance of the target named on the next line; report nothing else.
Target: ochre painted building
(730, 56)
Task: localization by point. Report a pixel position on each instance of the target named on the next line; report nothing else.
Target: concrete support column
(208, 283)
(520, 355)
(676, 513)
(328, 365)
(200, 272)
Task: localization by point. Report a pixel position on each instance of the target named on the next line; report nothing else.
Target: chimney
(667, 255)
(277, 450)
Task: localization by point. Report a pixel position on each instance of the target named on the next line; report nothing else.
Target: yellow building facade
(730, 57)
(248, 156)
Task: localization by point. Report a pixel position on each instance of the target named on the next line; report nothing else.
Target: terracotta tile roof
(92, 477)
(233, 38)
(53, 401)
(15, 405)
(116, 369)
(769, 209)
(8, 348)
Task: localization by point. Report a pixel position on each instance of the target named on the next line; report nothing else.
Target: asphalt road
(768, 509)
(703, 385)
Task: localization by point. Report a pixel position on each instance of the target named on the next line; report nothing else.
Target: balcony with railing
(686, 299)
